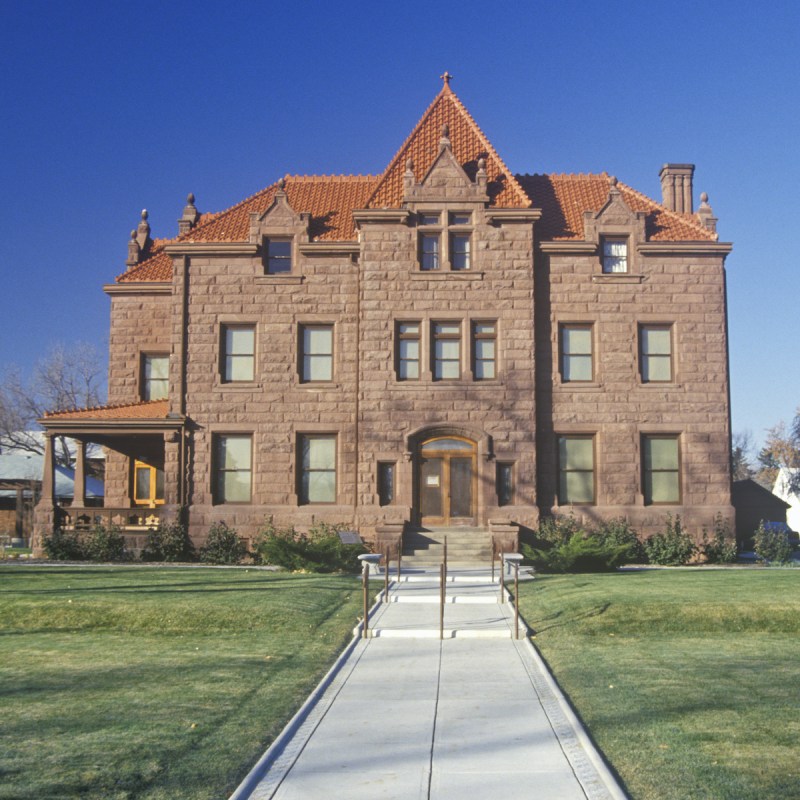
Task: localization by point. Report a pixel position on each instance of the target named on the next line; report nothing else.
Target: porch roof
(145, 417)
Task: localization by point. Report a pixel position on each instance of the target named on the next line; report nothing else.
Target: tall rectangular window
(615, 255)
(233, 468)
(655, 353)
(446, 350)
(575, 470)
(278, 256)
(238, 353)
(408, 350)
(661, 469)
(484, 350)
(316, 357)
(155, 376)
(505, 483)
(386, 477)
(576, 353)
(459, 251)
(317, 462)
(429, 251)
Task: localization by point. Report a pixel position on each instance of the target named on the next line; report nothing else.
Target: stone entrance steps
(465, 546)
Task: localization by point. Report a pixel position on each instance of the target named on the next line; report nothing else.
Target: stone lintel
(686, 248)
(211, 248)
(138, 287)
(330, 248)
(568, 246)
(506, 215)
(380, 215)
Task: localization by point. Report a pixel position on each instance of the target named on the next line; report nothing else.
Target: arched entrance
(446, 481)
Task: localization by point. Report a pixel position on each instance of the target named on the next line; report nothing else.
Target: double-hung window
(655, 353)
(408, 351)
(233, 468)
(575, 470)
(661, 469)
(316, 353)
(576, 353)
(278, 256)
(238, 353)
(615, 255)
(446, 351)
(484, 350)
(317, 468)
(155, 376)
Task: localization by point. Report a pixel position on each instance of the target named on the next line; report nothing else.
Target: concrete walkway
(406, 715)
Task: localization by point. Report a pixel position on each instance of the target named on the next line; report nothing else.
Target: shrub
(672, 547)
(772, 546)
(223, 546)
(319, 550)
(720, 547)
(618, 531)
(168, 542)
(63, 546)
(580, 553)
(104, 544)
(557, 530)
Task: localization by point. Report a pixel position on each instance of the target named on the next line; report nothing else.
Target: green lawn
(689, 680)
(155, 683)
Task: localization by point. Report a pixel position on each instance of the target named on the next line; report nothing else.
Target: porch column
(19, 525)
(49, 476)
(79, 494)
(172, 468)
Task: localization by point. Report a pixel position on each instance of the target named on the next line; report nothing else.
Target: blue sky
(108, 108)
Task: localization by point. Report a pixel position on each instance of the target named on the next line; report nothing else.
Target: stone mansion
(444, 344)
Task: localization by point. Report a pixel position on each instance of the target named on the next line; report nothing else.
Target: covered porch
(145, 452)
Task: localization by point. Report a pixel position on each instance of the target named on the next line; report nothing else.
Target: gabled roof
(563, 200)
(469, 144)
(331, 199)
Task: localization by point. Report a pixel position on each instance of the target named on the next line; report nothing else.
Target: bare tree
(781, 449)
(69, 376)
(741, 455)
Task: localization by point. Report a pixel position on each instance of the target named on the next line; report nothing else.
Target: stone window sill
(446, 275)
(264, 280)
(237, 386)
(618, 277)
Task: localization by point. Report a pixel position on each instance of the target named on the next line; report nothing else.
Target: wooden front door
(446, 481)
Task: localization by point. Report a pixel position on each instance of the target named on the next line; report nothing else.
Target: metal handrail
(442, 593)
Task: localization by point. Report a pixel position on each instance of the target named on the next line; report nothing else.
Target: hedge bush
(168, 542)
(99, 544)
(319, 550)
(771, 546)
(63, 546)
(672, 547)
(720, 546)
(223, 546)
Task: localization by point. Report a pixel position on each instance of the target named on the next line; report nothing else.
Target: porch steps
(465, 546)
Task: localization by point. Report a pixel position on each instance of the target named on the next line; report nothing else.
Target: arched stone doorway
(446, 481)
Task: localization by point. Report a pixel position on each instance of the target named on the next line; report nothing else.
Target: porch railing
(129, 519)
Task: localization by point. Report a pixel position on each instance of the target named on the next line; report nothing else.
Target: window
(615, 255)
(155, 376)
(148, 485)
(661, 469)
(429, 251)
(233, 468)
(446, 350)
(655, 353)
(575, 469)
(576, 353)
(484, 340)
(278, 256)
(448, 244)
(505, 483)
(238, 353)
(386, 470)
(316, 358)
(408, 349)
(317, 478)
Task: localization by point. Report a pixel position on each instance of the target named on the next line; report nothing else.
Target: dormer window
(615, 255)
(447, 242)
(278, 256)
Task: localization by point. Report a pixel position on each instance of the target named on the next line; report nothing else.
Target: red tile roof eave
(113, 412)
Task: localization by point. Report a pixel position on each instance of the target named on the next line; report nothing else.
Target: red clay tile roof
(152, 409)
(469, 144)
(564, 198)
(330, 199)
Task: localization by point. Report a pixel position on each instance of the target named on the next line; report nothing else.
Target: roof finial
(444, 142)
(190, 215)
(447, 77)
(613, 180)
(706, 214)
(281, 184)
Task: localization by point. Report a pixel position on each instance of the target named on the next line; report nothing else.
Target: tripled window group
(660, 469)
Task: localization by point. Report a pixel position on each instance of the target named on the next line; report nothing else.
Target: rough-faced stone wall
(684, 291)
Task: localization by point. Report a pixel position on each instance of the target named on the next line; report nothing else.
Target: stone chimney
(676, 187)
